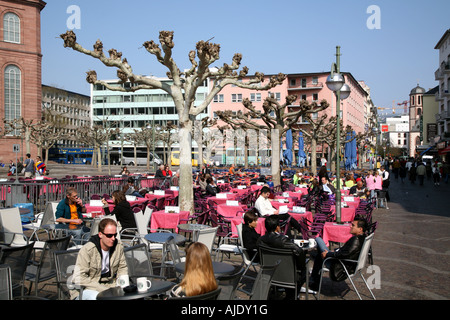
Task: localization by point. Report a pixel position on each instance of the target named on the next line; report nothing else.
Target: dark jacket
(277, 240)
(124, 214)
(159, 174)
(250, 238)
(350, 250)
(211, 190)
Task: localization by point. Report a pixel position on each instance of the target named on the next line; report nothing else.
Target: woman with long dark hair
(122, 210)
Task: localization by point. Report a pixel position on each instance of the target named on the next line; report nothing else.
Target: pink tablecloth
(347, 214)
(277, 204)
(230, 196)
(231, 211)
(240, 192)
(336, 232)
(163, 220)
(302, 190)
(97, 211)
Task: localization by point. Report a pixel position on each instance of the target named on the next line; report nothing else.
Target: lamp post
(336, 83)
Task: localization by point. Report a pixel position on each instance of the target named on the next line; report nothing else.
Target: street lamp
(336, 83)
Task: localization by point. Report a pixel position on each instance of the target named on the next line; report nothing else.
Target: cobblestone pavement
(411, 247)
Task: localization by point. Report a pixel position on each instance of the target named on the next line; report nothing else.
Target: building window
(292, 82)
(315, 80)
(255, 97)
(12, 89)
(236, 97)
(315, 96)
(11, 28)
(218, 98)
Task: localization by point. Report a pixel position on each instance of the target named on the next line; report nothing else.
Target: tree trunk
(276, 174)
(186, 194)
(314, 156)
(99, 159)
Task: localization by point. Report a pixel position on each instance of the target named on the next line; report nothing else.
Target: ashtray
(130, 288)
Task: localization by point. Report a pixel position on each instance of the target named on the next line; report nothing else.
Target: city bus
(175, 158)
(71, 155)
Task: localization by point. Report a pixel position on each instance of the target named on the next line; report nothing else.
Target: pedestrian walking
(421, 171)
(436, 174)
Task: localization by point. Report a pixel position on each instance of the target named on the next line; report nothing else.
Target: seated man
(273, 238)
(159, 173)
(350, 250)
(326, 186)
(100, 262)
(70, 211)
(358, 189)
(265, 208)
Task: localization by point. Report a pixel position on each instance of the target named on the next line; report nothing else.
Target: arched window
(11, 28)
(12, 89)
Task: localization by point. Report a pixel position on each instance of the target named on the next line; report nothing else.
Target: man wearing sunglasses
(100, 262)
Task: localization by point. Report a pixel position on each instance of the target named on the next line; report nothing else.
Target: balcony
(438, 74)
(438, 96)
(307, 86)
(443, 115)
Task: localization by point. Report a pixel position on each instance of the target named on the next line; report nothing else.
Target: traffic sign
(16, 148)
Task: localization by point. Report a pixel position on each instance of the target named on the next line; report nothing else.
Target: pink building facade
(306, 86)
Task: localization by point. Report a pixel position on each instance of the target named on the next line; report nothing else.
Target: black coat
(277, 240)
(250, 238)
(124, 214)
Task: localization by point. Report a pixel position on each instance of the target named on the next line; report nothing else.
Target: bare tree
(182, 90)
(276, 119)
(45, 135)
(22, 127)
(316, 133)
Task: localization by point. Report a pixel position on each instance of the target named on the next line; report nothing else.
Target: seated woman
(122, 210)
(198, 273)
(125, 171)
(249, 234)
(211, 188)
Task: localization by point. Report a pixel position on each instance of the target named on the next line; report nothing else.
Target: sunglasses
(110, 235)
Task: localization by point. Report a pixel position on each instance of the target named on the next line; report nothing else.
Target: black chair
(65, 261)
(139, 262)
(287, 274)
(261, 287)
(17, 258)
(229, 284)
(6, 292)
(44, 268)
(212, 295)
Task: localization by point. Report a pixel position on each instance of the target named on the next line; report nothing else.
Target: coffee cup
(143, 284)
(312, 243)
(123, 281)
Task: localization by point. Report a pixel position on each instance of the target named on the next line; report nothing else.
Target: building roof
(433, 91)
(444, 36)
(417, 90)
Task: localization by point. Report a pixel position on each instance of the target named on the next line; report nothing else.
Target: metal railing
(41, 192)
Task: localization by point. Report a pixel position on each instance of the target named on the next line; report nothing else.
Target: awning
(423, 152)
(445, 150)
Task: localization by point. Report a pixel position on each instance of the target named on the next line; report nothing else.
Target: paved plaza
(411, 247)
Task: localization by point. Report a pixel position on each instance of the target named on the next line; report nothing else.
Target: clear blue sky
(289, 36)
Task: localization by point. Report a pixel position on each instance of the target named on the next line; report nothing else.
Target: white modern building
(398, 131)
(134, 110)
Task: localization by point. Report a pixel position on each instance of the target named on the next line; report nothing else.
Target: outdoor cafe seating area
(156, 247)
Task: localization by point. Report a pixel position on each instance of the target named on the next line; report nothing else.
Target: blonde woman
(198, 273)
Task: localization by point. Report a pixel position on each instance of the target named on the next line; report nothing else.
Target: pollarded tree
(276, 118)
(182, 90)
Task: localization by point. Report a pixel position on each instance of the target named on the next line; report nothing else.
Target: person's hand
(324, 254)
(77, 221)
(104, 201)
(276, 212)
(79, 201)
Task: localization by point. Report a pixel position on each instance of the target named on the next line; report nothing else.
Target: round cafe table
(117, 293)
(220, 268)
